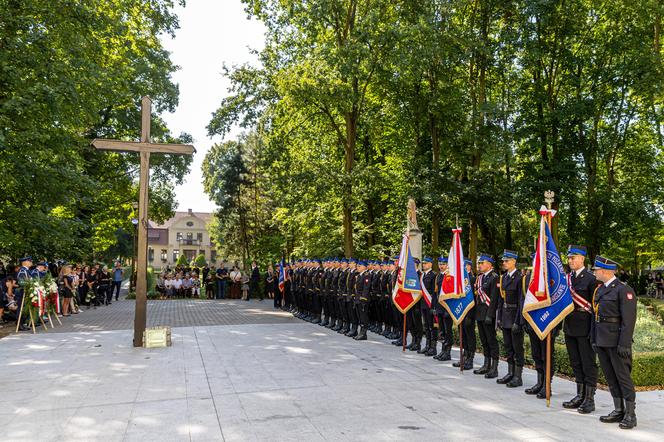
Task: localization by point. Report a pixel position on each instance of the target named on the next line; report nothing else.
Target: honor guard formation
(354, 297)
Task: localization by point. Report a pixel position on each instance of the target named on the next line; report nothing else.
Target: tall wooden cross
(145, 148)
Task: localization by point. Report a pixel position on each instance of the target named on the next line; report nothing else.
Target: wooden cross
(145, 148)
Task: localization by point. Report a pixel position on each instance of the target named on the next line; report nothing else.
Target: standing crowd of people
(79, 285)
(354, 296)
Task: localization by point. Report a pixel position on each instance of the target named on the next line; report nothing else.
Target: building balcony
(189, 242)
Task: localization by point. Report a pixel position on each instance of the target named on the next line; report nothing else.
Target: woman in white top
(236, 279)
(168, 286)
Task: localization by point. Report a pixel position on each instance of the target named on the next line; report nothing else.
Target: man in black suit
(486, 301)
(510, 320)
(577, 331)
(612, 332)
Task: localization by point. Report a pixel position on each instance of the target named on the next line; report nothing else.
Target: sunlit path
(266, 376)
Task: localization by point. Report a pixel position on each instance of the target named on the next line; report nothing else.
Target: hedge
(647, 367)
(657, 306)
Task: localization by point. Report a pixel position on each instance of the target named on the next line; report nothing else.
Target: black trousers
(582, 359)
(445, 324)
(398, 317)
(277, 298)
(488, 339)
(538, 351)
(469, 336)
(513, 342)
(414, 321)
(427, 320)
(618, 373)
(363, 312)
(350, 309)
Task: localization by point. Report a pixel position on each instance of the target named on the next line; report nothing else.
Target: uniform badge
(630, 296)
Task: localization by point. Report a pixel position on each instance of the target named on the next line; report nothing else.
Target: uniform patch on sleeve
(630, 296)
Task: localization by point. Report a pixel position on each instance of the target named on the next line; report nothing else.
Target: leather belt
(611, 319)
(580, 309)
(510, 306)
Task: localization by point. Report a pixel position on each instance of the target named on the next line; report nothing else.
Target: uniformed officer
(577, 332)
(612, 330)
(428, 281)
(375, 297)
(342, 318)
(444, 319)
(23, 275)
(510, 320)
(362, 298)
(386, 311)
(326, 292)
(350, 300)
(414, 320)
(486, 300)
(469, 337)
(397, 316)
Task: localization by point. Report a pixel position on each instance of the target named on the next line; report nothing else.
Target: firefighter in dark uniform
(428, 281)
(386, 311)
(397, 336)
(341, 296)
(334, 294)
(486, 301)
(444, 319)
(510, 320)
(326, 293)
(414, 320)
(612, 330)
(362, 298)
(582, 357)
(350, 300)
(469, 337)
(375, 323)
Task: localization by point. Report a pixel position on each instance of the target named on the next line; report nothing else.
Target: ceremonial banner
(282, 276)
(548, 299)
(456, 294)
(408, 289)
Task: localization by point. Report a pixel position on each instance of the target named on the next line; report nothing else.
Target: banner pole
(403, 340)
(548, 370)
(461, 346)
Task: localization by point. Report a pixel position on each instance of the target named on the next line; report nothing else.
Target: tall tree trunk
(435, 213)
(351, 141)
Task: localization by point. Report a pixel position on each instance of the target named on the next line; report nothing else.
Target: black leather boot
(538, 386)
(578, 399)
(493, 369)
(516, 380)
(353, 331)
(484, 369)
(325, 321)
(508, 377)
(316, 320)
(426, 347)
(542, 393)
(447, 352)
(629, 421)
(588, 404)
(417, 344)
(468, 362)
(362, 336)
(617, 414)
(432, 346)
(344, 328)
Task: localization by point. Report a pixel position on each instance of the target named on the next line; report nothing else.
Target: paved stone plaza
(263, 375)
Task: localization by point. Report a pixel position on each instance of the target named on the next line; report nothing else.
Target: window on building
(150, 254)
(164, 255)
(176, 255)
(199, 236)
(213, 255)
(190, 236)
(178, 236)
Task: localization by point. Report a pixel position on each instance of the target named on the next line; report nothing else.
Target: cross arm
(132, 146)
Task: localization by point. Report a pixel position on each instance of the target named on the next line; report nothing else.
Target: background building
(184, 234)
